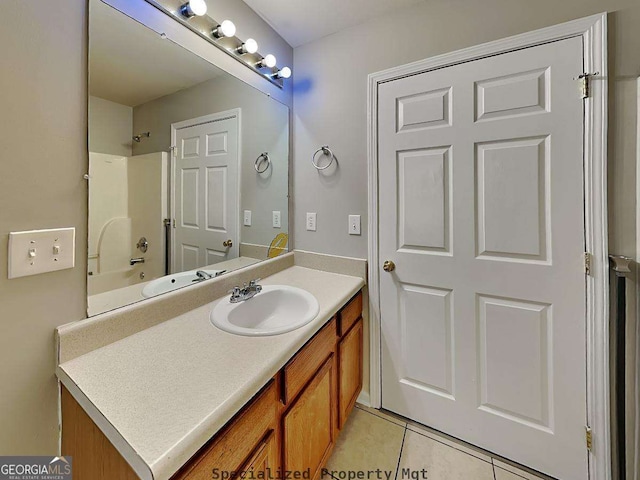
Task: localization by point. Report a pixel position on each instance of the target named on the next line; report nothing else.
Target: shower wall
(128, 199)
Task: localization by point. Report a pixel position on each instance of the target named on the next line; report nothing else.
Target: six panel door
(481, 209)
(205, 184)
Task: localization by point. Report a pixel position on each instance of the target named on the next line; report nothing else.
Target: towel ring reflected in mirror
(263, 158)
(325, 151)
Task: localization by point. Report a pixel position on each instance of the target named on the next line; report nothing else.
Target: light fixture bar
(204, 26)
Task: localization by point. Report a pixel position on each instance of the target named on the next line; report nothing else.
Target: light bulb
(225, 29)
(269, 61)
(193, 8)
(250, 46)
(284, 72)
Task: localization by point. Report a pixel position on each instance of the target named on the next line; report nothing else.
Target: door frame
(192, 122)
(593, 31)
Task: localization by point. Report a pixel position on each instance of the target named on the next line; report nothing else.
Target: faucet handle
(254, 282)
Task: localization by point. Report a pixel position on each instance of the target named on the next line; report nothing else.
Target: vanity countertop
(161, 393)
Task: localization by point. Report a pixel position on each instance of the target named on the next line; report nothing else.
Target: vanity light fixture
(226, 29)
(284, 72)
(193, 8)
(222, 35)
(269, 62)
(249, 46)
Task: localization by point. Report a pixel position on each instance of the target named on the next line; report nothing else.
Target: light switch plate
(311, 222)
(354, 224)
(40, 251)
(276, 219)
(247, 218)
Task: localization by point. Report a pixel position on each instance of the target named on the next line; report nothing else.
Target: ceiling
(131, 64)
(302, 21)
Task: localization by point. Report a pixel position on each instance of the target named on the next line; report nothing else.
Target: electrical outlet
(40, 251)
(354, 224)
(247, 218)
(311, 222)
(276, 219)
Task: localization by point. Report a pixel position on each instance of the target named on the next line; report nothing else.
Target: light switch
(276, 219)
(40, 251)
(311, 222)
(354, 224)
(247, 218)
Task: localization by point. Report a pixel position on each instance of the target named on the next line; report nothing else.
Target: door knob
(388, 266)
(227, 243)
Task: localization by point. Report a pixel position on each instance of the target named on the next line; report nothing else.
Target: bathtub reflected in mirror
(188, 166)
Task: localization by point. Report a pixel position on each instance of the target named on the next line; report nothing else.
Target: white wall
(110, 126)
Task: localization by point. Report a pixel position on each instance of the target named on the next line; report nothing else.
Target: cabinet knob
(227, 243)
(388, 266)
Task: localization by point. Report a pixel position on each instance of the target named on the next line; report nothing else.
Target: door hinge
(173, 150)
(588, 437)
(585, 80)
(587, 263)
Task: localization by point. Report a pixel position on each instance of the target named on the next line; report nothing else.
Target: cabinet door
(309, 426)
(264, 463)
(350, 371)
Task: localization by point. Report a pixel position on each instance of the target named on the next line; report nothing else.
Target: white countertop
(160, 394)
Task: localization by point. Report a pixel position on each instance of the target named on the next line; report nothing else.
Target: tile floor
(373, 439)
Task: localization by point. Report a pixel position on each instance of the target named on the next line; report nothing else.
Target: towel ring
(262, 158)
(326, 151)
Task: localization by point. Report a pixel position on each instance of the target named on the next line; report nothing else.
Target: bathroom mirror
(188, 166)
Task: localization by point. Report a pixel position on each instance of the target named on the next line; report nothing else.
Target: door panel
(481, 209)
(206, 193)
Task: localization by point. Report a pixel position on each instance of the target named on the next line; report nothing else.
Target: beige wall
(330, 107)
(110, 127)
(44, 155)
(264, 127)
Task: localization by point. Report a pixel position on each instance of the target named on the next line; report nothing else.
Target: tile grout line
(399, 423)
(404, 435)
(440, 439)
(493, 468)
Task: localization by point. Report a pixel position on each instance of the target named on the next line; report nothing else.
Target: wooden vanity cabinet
(350, 346)
(309, 423)
(247, 442)
(291, 425)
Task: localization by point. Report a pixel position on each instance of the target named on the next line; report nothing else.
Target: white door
(205, 191)
(481, 209)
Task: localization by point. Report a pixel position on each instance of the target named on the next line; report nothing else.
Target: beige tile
(449, 441)
(366, 443)
(390, 416)
(506, 475)
(440, 461)
(510, 472)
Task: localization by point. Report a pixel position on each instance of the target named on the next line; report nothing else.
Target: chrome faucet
(133, 261)
(202, 275)
(246, 292)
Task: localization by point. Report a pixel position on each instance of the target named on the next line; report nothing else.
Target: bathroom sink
(173, 282)
(276, 309)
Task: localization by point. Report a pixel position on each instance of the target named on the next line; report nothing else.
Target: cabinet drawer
(232, 447)
(350, 314)
(308, 360)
